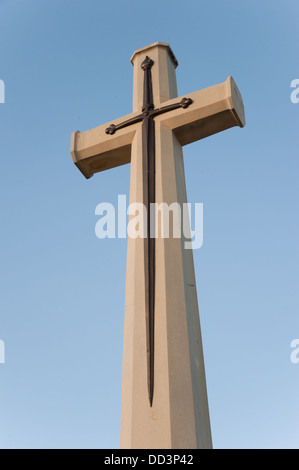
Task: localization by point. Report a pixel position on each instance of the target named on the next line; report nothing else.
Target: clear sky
(66, 67)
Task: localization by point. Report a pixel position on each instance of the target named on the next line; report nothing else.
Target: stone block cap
(156, 44)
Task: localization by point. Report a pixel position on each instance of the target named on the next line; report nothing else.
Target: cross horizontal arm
(95, 150)
(213, 110)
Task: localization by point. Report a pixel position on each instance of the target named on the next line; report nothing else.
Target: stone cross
(164, 396)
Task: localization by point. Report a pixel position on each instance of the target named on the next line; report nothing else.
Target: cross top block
(160, 45)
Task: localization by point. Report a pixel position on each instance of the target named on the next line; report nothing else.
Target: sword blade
(148, 157)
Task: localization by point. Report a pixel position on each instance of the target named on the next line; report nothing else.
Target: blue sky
(66, 67)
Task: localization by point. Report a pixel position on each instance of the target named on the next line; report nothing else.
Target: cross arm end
(236, 102)
(213, 110)
(94, 150)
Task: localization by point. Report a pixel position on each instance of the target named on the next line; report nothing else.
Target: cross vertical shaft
(171, 330)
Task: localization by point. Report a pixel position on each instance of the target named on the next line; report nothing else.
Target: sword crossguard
(185, 102)
(111, 129)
